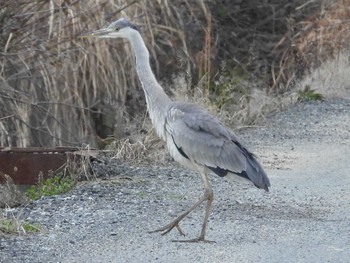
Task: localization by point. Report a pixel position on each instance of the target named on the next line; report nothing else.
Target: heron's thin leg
(175, 223)
(208, 195)
(206, 217)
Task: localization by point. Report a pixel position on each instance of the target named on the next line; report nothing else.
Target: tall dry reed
(58, 90)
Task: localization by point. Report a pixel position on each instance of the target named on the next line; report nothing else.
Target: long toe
(195, 240)
(166, 229)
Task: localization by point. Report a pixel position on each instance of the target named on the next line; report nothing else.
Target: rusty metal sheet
(24, 165)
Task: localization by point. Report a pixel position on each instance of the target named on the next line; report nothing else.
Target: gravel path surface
(304, 218)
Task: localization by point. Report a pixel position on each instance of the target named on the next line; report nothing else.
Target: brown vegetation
(310, 42)
(58, 90)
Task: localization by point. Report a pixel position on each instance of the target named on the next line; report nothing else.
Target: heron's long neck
(157, 101)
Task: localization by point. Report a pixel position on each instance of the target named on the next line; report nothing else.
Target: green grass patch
(12, 227)
(55, 185)
(309, 94)
(141, 194)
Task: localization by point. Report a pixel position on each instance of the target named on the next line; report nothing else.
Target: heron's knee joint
(208, 192)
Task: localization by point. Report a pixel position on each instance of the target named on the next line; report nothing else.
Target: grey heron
(194, 137)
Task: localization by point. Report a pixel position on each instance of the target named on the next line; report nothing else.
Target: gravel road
(304, 218)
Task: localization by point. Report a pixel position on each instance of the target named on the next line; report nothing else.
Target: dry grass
(145, 148)
(331, 79)
(13, 225)
(312, 41)
(57, 90)
(10, 194)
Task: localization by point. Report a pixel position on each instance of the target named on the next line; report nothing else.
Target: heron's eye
(117, 29)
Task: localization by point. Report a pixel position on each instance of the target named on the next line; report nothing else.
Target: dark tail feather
(257, 174)
(254, 171)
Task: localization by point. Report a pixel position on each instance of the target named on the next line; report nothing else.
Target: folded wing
(200, 137)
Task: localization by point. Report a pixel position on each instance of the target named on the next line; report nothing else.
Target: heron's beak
(96, 33)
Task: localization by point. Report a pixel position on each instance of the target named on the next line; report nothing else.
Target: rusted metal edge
(24, 165)
(38, 149)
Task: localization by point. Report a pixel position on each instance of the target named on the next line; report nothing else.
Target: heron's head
(121, 28)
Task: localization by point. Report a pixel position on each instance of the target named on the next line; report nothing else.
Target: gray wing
(201, 138)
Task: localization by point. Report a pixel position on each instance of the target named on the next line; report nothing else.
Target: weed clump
(309, 94)
(55, 185)
(10, 227)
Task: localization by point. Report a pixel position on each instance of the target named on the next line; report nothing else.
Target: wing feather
(201, 138)
(204, 139)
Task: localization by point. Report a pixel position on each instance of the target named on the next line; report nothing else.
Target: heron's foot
(166, 229)
(195, 240)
